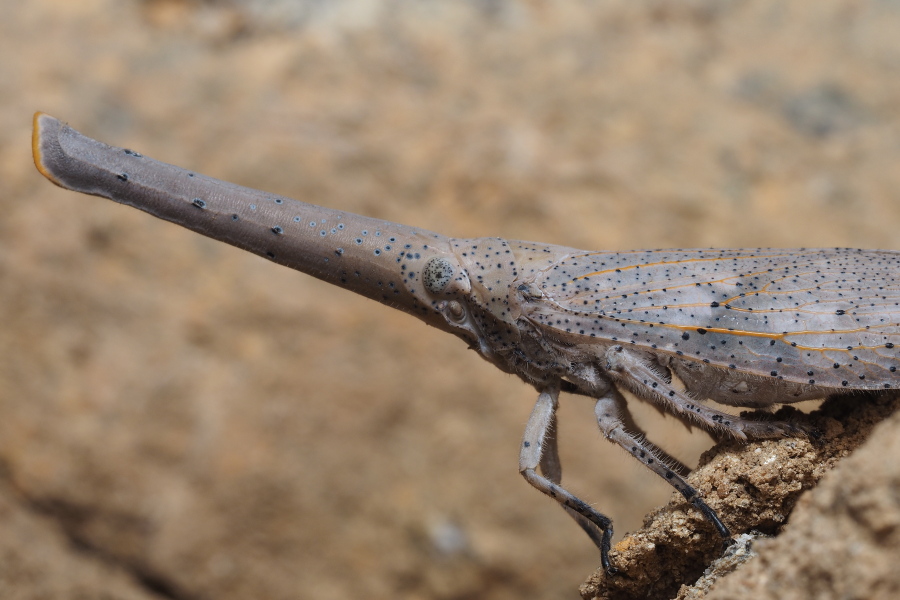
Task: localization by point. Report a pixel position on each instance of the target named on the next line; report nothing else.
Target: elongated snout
(377, 259)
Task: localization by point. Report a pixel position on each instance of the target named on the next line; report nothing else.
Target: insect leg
(538, 432)
(551, 468)
(631, 425)
(638, 374)
(611, 411)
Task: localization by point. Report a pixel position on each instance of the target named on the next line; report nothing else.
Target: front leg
(538, 433)
(551, 468)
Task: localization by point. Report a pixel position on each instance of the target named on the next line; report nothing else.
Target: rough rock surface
(754, 488)
(843, 538)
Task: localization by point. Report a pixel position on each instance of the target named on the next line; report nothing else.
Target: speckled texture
(164, 393)
(814, 317)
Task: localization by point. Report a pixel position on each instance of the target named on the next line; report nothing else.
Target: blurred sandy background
(181, 420)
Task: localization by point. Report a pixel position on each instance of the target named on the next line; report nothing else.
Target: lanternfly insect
(746, 327)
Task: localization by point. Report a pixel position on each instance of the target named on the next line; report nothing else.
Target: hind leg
(635, 372)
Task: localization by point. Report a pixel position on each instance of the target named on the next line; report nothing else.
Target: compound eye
(456, 310)
(437, 274)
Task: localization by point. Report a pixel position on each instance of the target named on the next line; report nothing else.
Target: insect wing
(824, 317)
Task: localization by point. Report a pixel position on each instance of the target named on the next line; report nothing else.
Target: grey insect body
(747, 327)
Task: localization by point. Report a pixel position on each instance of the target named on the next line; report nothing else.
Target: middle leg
(612, 413)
